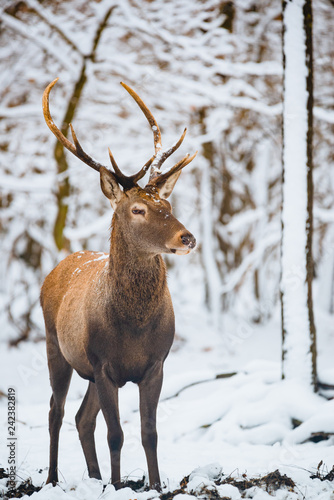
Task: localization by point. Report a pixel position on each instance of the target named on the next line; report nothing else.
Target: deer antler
(160, 156)
(125, 181)
(150, 118)
(162, 177)
(75, 148)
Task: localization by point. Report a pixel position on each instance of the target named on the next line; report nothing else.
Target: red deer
(110, 316)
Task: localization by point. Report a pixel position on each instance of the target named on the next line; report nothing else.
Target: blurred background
(213, 66)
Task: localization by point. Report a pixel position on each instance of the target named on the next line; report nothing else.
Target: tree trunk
(64, 189)
(298, 329)
(213, 283)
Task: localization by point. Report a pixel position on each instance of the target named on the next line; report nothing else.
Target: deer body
(124, 307)
(110, 317)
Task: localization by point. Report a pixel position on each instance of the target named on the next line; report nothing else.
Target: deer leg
(86, 423)
(60, 378)
(108, 397)
(149, 391)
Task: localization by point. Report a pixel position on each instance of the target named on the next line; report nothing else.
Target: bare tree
(298, 329)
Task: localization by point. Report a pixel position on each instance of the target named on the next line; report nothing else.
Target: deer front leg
(149, 391)
(108, 397)
(60, 377)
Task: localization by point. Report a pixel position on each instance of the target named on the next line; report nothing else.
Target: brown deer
(110, 316)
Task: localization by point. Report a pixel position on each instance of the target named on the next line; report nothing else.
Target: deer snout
(182, 243)
(188, 240)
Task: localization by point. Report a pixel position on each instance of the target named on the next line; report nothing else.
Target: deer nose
(188, 240)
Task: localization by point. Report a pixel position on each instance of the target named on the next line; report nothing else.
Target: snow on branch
(266, 68)
(52, 22)
(88, 230)
(257, 106)
(250, 260)
(326, 115)
(20, 112)
(35, 184)
(246, 218)
(323, 215)
(31, 34)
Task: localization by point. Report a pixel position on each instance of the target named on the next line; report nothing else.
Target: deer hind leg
(60, 378)
(86, 423)
(108, 397)
(149, 392)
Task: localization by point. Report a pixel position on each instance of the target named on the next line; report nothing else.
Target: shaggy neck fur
(138, 279)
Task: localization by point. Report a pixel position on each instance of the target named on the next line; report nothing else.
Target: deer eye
(138, 211)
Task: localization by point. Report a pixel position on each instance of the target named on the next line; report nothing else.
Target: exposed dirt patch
(24, 488)
(270, 482)
(171, 494)
(316, 437)
(138, 485)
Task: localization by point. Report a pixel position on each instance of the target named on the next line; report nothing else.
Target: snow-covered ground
(241, 423)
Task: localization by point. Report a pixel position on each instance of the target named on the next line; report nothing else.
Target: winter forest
(246, 408)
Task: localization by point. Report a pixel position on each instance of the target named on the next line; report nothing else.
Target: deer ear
(110, 187)
(167, 186)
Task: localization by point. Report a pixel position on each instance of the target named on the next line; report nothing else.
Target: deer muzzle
(182, 243)
(188, 240)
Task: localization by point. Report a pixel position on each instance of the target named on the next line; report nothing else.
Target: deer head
(145, 214)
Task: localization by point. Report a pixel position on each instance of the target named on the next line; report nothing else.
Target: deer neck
(125, 255)
(138, 280)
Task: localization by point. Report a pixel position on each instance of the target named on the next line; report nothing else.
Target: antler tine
(76, 149)
(160, 159)
(150, 118)
(143, 171)
(116, 168)
(81, 153)
(131, 181)
(160, 178)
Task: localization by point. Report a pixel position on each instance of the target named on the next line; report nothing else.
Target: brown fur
(110, 317)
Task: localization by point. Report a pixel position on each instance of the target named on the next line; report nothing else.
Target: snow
(51, 20)
(253, 259)
(102, 256)
(20, 112)
(324, 114)
(43, 43)
(33, 185)
(208, 249)
(206, 425)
